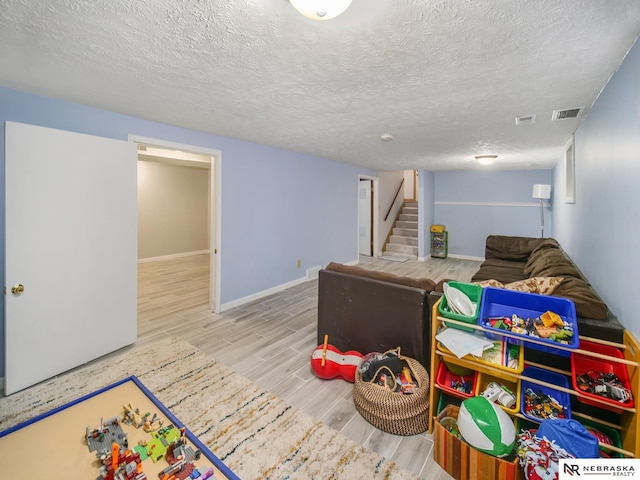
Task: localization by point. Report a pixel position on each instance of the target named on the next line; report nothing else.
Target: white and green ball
(484, 426)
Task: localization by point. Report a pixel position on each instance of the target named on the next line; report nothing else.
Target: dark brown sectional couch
(509, 259)
(371, 311)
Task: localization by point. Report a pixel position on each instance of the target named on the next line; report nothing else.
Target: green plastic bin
(474, 292)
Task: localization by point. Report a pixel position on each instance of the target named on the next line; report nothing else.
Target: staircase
(403, 241)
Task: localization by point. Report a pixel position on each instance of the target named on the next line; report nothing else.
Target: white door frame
(365, 217)
(374, 217)
(215, 208)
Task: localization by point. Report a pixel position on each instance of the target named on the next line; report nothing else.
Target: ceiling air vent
(565, 114)
(525, 119)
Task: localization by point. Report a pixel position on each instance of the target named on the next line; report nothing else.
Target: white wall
(173, 209)
(426, 196)
(409, 187)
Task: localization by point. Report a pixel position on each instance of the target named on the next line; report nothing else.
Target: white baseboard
(454, 255)
(467, 257)
(262, 294)
(169, 257)
(312, 273)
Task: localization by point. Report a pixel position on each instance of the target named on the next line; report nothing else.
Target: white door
(71, 242)
(364, 218)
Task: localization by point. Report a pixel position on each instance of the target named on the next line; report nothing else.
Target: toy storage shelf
(439, 244)
(629, 425)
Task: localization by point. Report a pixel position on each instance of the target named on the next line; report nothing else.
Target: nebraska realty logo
(598, 468)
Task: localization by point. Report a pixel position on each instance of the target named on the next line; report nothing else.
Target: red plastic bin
(445, 377)
(582, 363)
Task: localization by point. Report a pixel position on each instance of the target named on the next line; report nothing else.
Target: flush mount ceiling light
(486, 159)
(320, 9)
(386, 137)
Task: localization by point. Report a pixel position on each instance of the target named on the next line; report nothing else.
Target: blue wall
(601, 231)
(476, 204)
(426, 192)
(277, 206)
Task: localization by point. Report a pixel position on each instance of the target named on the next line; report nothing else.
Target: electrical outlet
(299, 263)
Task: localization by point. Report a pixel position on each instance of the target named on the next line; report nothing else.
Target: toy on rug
(328, 362)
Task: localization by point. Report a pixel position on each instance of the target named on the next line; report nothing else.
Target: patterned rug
(257, 435)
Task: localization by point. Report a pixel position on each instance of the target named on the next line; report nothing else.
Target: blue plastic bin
(497, 302)
(546, 376)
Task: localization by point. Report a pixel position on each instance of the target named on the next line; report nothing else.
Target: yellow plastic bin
(484, 379)
(500, 351)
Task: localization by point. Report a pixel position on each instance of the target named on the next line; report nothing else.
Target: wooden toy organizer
(629, 425)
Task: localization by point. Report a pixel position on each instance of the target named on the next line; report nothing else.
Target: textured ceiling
(446, 78)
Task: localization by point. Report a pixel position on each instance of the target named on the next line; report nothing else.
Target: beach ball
(486, 427)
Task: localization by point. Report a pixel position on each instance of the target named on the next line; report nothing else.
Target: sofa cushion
(425, 284)
(510, 248)
(549, 261)
(503, 270)
(587, 302)
(490, 283)
(539, 285)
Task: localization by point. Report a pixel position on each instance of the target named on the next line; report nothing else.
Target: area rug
(253, 432)
(393, 258)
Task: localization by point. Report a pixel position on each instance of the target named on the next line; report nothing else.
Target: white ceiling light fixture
(321, 9)
(486, 159)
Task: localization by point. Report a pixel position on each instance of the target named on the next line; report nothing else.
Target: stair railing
(394, 200)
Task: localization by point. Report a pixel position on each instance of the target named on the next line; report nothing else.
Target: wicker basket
(394, 412)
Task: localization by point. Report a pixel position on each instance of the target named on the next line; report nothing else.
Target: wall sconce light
(542, 192)
(321, 9)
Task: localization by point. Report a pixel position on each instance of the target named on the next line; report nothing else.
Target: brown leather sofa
(370, 311)
(509, 259)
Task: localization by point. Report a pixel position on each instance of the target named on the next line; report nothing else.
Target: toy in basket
(328, 362)
(392, 393)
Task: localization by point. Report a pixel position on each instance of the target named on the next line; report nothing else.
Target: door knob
(17, 289)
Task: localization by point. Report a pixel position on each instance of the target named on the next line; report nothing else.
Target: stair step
(398, 249)
(409, 225)
(406, 232)
(410, 210)
(401, 240)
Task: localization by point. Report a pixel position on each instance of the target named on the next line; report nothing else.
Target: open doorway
(179, 197)
(367, 221)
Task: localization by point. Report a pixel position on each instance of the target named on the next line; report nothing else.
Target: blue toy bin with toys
(497, 303)
(548, 377)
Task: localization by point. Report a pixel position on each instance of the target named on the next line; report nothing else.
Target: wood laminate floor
(270, 341)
